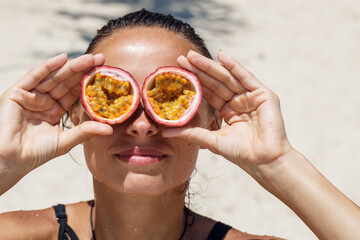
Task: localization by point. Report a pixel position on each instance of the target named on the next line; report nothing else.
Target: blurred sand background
(306, 51)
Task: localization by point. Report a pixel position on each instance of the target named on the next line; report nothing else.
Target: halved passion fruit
(171, 96)
(109, 94)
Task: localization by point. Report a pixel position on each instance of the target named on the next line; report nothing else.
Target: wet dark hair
(144, 18)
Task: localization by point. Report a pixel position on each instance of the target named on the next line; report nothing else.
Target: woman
(141, 169)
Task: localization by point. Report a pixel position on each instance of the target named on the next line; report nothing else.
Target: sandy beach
(306, 51)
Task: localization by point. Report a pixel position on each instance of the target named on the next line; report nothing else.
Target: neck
(125, 216)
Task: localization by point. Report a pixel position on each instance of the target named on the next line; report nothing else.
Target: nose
(141, 125)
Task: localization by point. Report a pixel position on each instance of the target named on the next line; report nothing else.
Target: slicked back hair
(144, 18)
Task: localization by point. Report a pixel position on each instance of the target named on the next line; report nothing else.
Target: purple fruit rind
(116, 73)
(193, 104)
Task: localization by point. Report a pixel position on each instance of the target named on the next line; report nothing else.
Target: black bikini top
(67, 233)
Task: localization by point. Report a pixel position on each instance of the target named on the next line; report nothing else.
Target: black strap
(219, 231)
(65, 231)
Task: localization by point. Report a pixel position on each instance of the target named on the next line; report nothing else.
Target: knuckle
(272, 96)
(14, 93)
(47, 64)
(236, 101)
(66, 84)
(53, 78)
(31, 74)
(55, 94)
(214, 85)
(207, 68)
(75, 90)
(276, 98)
(251, 76)
(229, 95)
(227, 79)
(55, 113)
(207, 93)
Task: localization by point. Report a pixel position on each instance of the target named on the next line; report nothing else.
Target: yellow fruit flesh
(170, 95)
(109, 98)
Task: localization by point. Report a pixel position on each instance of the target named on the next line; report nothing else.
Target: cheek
(203, 116)
(94, 151)
(186, 161)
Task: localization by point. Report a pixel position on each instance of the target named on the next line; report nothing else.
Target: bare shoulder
(202, 227)
(33, 224)
(235, 234)
(42, 224)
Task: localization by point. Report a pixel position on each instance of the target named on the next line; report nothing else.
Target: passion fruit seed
(109, 98)
(170, 95)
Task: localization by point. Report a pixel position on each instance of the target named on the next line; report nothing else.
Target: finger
(69, 99)
(249, 101)
(41, 106)
(215, 70)
(82, 67)
(52, 115)
(215, 101)
(32, 101)
(206, 80)
(38, 74)
(67, 72)
(65, 87)
(231, 116)
(200, 136)
(83, 132)
(99, 59)
(246, 78)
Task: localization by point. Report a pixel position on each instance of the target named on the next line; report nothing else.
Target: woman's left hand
(255, 139)
(254, 133)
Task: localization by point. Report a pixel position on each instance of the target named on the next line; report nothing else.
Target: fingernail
(59, 55)
(222, 52)
(181, 56)
(84, 56)
(193, 52)
(100, 54)
(224, 55)
(58, 59)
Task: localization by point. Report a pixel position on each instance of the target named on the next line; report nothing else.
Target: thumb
(201, 136)
(80, 133)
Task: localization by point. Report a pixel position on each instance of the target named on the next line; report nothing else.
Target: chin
(151, 185)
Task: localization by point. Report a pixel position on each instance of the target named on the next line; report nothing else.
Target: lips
(141, 155)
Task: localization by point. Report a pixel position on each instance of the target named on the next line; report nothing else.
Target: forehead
(142, 50)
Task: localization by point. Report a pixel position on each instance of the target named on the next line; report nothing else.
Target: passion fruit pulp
(171, 96)
(109, 94)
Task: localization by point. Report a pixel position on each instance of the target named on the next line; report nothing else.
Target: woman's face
(136, 159)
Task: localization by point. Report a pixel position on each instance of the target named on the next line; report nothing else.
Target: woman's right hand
(30, 113)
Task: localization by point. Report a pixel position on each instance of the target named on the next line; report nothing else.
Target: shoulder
(202, 226)
(41, 224)
(235, 234)
(33, 224)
